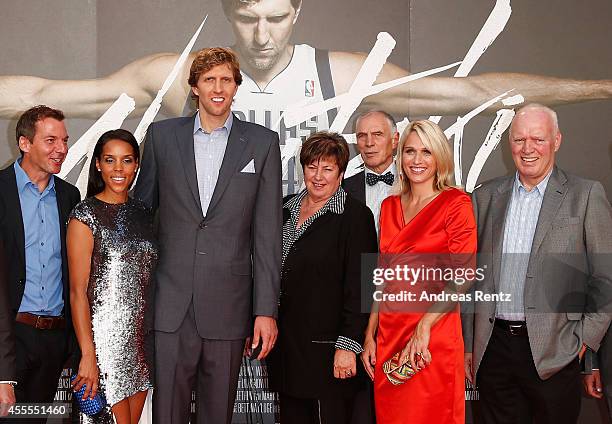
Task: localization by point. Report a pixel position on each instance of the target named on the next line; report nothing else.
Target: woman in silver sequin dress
(112, 255)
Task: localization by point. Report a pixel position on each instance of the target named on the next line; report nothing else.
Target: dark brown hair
(325, 144)
(229, 5)
(26, 125)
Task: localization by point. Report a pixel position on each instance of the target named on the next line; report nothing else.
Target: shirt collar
(197, 125)
(390, 168)
(334, 204)
(23, 179)
(541, 186)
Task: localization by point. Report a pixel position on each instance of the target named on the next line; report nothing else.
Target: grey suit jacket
(569, 276)
(227, 262)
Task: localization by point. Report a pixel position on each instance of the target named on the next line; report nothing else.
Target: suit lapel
(236, 144)
(361, 190)
(184, 138)
(14, 214)
(553, 196)
(500, 200)
(63, 208)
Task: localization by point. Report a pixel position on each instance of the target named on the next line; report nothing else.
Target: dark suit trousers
(363, 411)
(315, 411)
(183, 358)
(40, 359)
(512, 392)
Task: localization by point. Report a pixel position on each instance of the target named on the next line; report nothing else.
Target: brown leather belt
(41, 322)
(515, 328)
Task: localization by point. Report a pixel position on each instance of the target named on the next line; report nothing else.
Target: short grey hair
(386, 115)
(539, 108)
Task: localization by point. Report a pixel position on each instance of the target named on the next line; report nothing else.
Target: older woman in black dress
(321, 326)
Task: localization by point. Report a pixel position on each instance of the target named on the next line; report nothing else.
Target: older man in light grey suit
(215, 182)
(545, 239)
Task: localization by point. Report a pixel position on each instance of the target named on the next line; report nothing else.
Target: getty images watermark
(413, 282)
(430, 279)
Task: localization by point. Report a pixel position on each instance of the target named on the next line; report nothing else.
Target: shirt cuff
(345, 343)
(12, 383)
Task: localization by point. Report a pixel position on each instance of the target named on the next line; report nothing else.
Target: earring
(99, 170)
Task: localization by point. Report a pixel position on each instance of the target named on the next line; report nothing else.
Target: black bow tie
(372, 179)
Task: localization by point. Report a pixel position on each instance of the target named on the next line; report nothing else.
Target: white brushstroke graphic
(288, 151)
(500, 124)
(302, 111)
(110, 120)
(463, 120)
(457, 149)
(494, 25)
(513, 101)
(456, 131)
(154, 107)
(355, 166)
(365, 78)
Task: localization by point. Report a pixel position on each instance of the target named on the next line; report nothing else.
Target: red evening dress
(436, 394)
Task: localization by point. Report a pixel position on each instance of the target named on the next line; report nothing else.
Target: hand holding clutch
(396, 372)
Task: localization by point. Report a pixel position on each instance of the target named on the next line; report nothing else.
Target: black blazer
(12, 233)
(355, 186)
(321, 300)
(7, 338)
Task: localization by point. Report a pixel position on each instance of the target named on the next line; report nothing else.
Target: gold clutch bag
(397, 373)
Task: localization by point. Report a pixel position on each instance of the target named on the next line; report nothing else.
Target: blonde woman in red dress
(429, 223)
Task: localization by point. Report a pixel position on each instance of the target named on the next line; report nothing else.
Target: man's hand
(582, 351)
(345, 364)
(7, 398)
(469, 367)
(368, 356)
(592, 384)
(264, 331)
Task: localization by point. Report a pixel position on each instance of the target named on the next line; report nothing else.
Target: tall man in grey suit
(545, 239)
(215, 182)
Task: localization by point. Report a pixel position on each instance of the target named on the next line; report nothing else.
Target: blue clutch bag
(89, 406)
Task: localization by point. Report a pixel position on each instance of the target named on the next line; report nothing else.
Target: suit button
(202, 225)
(20, 281)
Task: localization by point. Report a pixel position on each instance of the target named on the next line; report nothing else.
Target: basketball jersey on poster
(298, 82)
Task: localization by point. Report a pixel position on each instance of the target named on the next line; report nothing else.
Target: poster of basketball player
(80, 56)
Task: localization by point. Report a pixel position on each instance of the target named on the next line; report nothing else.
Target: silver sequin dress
(122, 268)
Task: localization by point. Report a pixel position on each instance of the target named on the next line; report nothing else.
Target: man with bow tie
(377, 139)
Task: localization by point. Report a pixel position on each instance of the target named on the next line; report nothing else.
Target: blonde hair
(435, 141)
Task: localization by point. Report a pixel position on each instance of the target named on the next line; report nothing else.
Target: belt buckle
(44, 323)
(515, 330)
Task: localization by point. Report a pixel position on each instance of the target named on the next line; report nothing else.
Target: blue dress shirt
(43, 293)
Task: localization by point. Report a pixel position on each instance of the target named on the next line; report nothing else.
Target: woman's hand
(345, 364)
(88, 375)
(416, 353)
(368, 356)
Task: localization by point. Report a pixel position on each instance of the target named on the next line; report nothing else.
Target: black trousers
(315, 411)
(363, 412)
(512, 392)
(41, 355)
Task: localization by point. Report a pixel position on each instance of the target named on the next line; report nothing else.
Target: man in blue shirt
(34, 208)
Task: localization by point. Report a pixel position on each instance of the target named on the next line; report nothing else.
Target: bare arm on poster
(142, 79)
(456, 96)
(89, 98)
